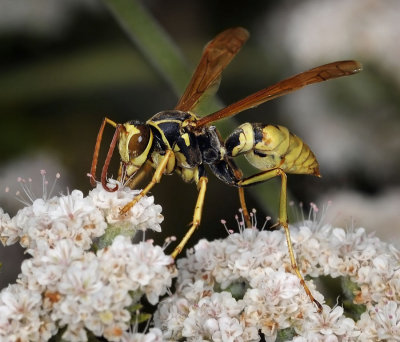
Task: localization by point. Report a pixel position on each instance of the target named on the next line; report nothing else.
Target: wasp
(180, 141)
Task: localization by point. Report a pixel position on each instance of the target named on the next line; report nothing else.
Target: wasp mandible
(179, 141)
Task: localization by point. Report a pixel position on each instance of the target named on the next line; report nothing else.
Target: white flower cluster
(254, 267)
(145, 215)
(66, 286)
(78, 218)
(72, 217)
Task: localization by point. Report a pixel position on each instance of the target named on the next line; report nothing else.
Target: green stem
(153, 42)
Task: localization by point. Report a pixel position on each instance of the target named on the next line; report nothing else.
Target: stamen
(253, 218)
(27, 190)
(168, 240)
(44, 187)
(58, 176)
(267, 219)
(313, 212)
(229, 231)
(301, 211)
(21, 199)
(29, 196)
(241, 225)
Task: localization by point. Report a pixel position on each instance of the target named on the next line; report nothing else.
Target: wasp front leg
(162, 166)
(283, 218)
(133, 181)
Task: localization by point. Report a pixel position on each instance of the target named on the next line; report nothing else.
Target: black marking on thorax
(169, 124)
(258, 132)
(209, 145)
(170, 115)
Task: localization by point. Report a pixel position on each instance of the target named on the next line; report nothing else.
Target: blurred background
(66, 64)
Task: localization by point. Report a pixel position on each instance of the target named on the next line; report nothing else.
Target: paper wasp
(179, 141)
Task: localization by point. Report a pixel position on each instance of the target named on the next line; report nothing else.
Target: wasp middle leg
(202, 186)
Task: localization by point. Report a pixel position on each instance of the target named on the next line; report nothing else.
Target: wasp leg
(144, 170)
(244, 208)
(283, 219)
(120, 171)
(227, 171)
(156, 179)
(202, 186)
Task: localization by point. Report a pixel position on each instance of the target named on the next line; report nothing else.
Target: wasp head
(135, 142)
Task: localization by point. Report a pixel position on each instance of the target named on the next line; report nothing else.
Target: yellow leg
(202, 185)
(156, 179)
(119, 178)
(283, 219)
(244, 208)
(143, 171)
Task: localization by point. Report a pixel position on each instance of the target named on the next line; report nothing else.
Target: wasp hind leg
(283, 219)
(227, 171)
(243, 205)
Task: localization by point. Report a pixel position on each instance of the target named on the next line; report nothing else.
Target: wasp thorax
(134, 145)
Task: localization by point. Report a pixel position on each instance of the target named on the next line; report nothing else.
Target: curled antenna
(108, 159)
(97, 149)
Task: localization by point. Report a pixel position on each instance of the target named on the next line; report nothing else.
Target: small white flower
(148, 268)
(75, 333)
(229, 330)
(20, 314)
(330, 322)
(9, 232)
(81, 280)
(154, 335)
(216, 317)
(388, 321)
(49, 264)
(143, 215)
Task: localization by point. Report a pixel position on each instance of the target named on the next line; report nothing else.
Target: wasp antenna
(97, 149)
(108, 159)
(96, 153)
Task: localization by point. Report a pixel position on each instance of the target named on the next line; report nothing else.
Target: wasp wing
(216, 56)
(315, 75)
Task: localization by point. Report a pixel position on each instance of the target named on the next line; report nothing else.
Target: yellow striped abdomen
(270, 146)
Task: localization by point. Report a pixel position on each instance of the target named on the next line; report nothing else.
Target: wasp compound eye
(139, 141)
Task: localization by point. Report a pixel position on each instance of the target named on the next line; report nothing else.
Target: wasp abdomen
(272, 146)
